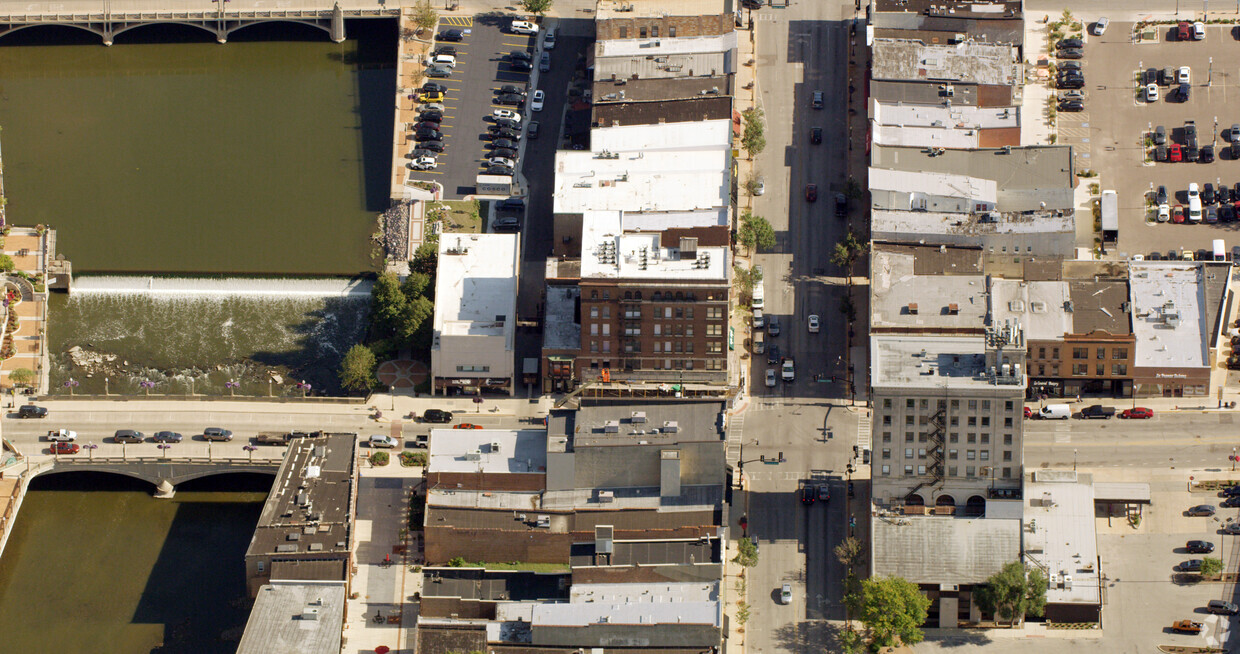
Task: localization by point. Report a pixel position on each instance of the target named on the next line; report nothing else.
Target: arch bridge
(109, 19)
(165, 474)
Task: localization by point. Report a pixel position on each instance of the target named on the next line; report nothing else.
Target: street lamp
(250, 449)
(232, 385)
(163, 447)
(71, 384)
(91, 447)
(304, 388)
(1233, 459)
(146, 385)
(1074, 460)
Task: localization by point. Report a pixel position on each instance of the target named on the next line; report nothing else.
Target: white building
(475, 313)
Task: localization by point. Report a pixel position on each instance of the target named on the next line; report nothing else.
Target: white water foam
(209, 286)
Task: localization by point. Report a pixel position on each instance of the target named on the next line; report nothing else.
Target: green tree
(387, 305)
(417, 311)
(850, 552)
(1211, 566)
(753, 139)
(357, 370)
(6, 263)
(457, 562)
(539, 7)
(424, 16)
(756, 232)
(746, 553)
(746, 279)
(417, 283)
(892, 609)
(1013, 592)
(847, 251)
(22, 376)
(425, 259)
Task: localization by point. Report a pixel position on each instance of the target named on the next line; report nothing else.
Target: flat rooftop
(606, 9)
(895, 91)
(608, 91)
(944, 117)
(476, 285)
(940, 362)
(488, 451)
(304, 617)
(1041, 307)
(1100, 306)
(307, 511)
(1168, 315)
(632, 604)
(913, 60)
(1059, 534)
(588, 425)
(934, 184)
(991, 9)
(654, 112)
(943, 550)
(892, 221)
(1035, 178)
(649, 553)
(900, 298)
(610, 250)
(706, 54)
(561, 325)
(493, 585)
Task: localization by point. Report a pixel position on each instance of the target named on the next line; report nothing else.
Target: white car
(507, 113)
(442, 60)
(770, 378)
(431, 106)
(1100, 27)
(788, 372)
(813, 324)
(1193, 191)
(537, 102)
(785, 594)
(549, 40)
(501, 161)
(1151, 93)
(423, 163)
(523, 27)
(1199, 31)
(62, 436)
(384, 441)
(1164, 213)
(1182, 76)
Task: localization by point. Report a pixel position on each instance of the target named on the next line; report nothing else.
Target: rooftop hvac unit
(670, 427)
(638, 417)
(611, 427)
(310, 613)
(494, 447)
(606, 497)
(473, 456)
(543, 521)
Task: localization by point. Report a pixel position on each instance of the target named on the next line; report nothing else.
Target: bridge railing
(227, 14)
(215, 460)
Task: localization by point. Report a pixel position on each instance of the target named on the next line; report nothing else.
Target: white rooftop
(943, 550)
(634, 604)
(922, 125)
(1060, 508)
(476, 285)
(1039, 306)
(295, 616)
(935, 362)
(969, 61)
(488, 450)
(1168, 314)
(662, 47)
(609, 250)
(890, 221)
(668, 167)
(894, 287)
(926, 137)
(629, 9)
(645, 592)
(934, 184)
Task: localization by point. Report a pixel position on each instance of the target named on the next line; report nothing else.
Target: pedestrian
(1078, 397)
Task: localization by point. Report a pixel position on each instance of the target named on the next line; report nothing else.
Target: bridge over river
(165, 474)
(108, 18)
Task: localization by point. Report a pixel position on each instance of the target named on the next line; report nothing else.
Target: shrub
(380, 458)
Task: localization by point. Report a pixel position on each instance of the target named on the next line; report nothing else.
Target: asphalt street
(1181, 440)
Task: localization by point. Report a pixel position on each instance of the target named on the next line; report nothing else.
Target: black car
(127, 436)
(815, 135)
(772, 355)
(431, 117)
(32, 411)
(507, 223)
(808, 495)
(512, 88)
(507, 153)
(446, 50)
(510, 204)
(1191, 565)
(507, 123)
(532, 129)
(504, 144)
(1228, 502)
(1071, 83)
(422, 152)
(510, 99)
(1151, 76)
(437, 415)
(1071, 53)
(520, 55)
(1226, 214)
(1070, 43)
(428, 135)
(1184, 92)
(166, 437)
(504, 134)
(429, 124)
(1068, 65)
(1223, 194)
(1222, 607)
(841, 205)
(499, 170)
(1160, 135)
(451, 35)
(521, 65)
(751, 4)
(1191, 153)
(1072, 105)
(1160, 196)
(216, 434)
(1201, 510)
(1160, 153)
(1190, 133)
(431, 87)
(1207, 194)
(1207, 154)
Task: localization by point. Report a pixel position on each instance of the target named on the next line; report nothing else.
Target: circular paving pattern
(402, 373)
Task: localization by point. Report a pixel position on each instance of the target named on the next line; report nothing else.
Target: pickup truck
(1186, 627)
(61, 436)
(1098, 412)
(271, 438)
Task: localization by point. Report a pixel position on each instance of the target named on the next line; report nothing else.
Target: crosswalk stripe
(458, 21)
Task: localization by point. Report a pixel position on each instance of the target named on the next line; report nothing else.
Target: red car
(1184, 31)
(62, 447)
(467, 425)
(1175, 153)
(1028, 412)
(1137, 412)
(1177, 214)
(811, 192)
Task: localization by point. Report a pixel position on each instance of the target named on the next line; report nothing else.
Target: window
(972, 421)
(624, 32)
(1101, 369)
(262, 565)
(657, 347)
(658, 329)
(951, 471)
(985, 421)
(606, 312)
(886, 452)
(985, 405)
(1119, 353)
(887, 403)
(908, 437)
(908, 471)
(1007, 455)
(955, 404)
(985, 439)
(689, 347)
(594, 346)
(654, 31)
(607, 346)
(954, 437)
(1007, 439)
(972, 438)
(1080, 353)
(1041, 353)
(1007, 422)
(921, 470)
(973, 405)
(886, 437)
(712, 348)
(1055, 371)
(954, 421)
(680, 313)
(1041, 370)
(970, 471)
(925, 404)
(908, 452)
(714, 330)
(970, 454)
(886, 470)
(1119, 369)
(951, 454)
(641, 32)
(886, 420)
(689, 331)
(908, 404)
(1080, 369)
(606, 329)
(594, 329)
(985, 454)
(473, 368)
(671, 31)
(908, 420)
(689, 313)
(716, 313)
(1054, 353)
(1102, 353)
(667, 313)
(593, 312)
(1008, 406)
(1007, 473)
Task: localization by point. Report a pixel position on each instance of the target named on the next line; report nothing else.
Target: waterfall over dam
(188, 287)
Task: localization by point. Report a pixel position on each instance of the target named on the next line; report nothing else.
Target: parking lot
(1110, 135)
(484, 64)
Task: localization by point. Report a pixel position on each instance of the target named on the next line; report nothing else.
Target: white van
(1194, 203)
(1055, 412)
(1220, 250)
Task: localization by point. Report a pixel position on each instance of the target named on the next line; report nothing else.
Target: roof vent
(912, 308)
(953, 309)
(310, 613)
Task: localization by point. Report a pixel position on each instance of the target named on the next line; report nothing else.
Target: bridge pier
(337, 30)
(164, 490)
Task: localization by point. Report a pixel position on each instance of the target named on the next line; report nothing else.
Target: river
(171, 153)
(96, 564)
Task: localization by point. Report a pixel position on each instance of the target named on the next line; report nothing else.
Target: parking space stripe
(523, 44)
(457, 21)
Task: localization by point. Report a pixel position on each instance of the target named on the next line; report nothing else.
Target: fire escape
(938, 427)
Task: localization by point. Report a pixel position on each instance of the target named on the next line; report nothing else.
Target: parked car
(1175, 153)
(431, 106)
(503, 152)
(466, 425)
(1151, 92)
(1160, 135)
(785, 594)
(1183, 93)
(510, 204)
(506, 224)
(549, 39)
(1137, 413)
(511, 99)
(811, 192)
(437, 416)
(1222, 607)
(1068, 65)
(427, 134)
(451, 35)
(511, 88)
(520, 55)
(1223, 194)
(1160, 153)
(506, 114)
(1231, 528)
(815, 100)
(445, 50)
(430, 117)
(64, 448)
(770, 378)
(1191, 565)
(503, 144)
(772, 326)
(772, 355)
(1098, 412)
(216, 434)
(1070, 82)
(507, 123)
(1187, 627)
(1166, 76)
(1192, 154)
(166, 437)
(544, 62)
(32, 411)
(1160, 196)
(383, 441)
(501, 161)
(841, 205)
(127, 436)
(537, 103)
(520, 65)
(1207, 154)
(428, 124)
(1204, 510)
(423, 163)
(1150, 76)
(1207, 193)
(1100, 26)
(532, 129)
(1071, 106)
(505, 133)
(1183, 75)
(439, 71)
(1164, 213)
(808, 495)
(1069, 43)
(433, 87)
(1071, 53)
(522, 27)
(1199, 31)
(504, 171)
(1199, 547)
(430, 146)
(813, 324)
